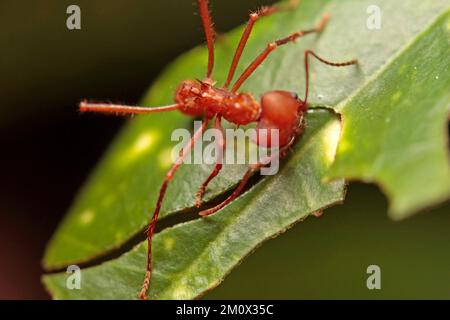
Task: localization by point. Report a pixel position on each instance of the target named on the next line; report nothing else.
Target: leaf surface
(116, 201)
(192, 258)
(407, 108)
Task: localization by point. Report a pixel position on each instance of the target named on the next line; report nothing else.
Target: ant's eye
(294, 95)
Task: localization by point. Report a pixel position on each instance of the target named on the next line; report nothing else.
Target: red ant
(281, 110)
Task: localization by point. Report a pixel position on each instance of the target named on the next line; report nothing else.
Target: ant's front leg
(220, 144)
(251, 170)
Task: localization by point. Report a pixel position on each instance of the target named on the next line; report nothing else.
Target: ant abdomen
(281, 110)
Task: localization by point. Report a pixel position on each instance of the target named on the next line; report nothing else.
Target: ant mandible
(281, 110)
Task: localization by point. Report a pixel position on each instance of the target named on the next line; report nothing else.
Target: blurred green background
(48, 149)
(327, 257)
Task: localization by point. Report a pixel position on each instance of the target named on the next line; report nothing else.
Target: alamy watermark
(73, 21)
(265, 147)
(73, 281)
(373, 21)
(374, 280)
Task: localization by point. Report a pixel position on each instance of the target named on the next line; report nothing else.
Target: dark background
(45, 70)
(48, 149)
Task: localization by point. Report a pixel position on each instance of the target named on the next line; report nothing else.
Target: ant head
(281, 110)
(281, 107)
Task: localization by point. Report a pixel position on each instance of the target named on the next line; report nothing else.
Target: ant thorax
(197, 98)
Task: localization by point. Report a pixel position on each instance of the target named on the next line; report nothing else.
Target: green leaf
(395, 127)
(116, 201)
(194, 257)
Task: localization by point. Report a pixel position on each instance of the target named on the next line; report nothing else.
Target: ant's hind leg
(118, 109)
(162, 192)
(220, 144)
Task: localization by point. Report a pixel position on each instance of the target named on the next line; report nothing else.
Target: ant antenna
(333, 64)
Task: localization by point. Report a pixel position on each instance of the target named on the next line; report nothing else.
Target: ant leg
(219, 163)
(251, 170)
(233, 196)
(272, 46)
(208, 27)
(121, 109)
(169, 176)
(333, 64)
(263, 12)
